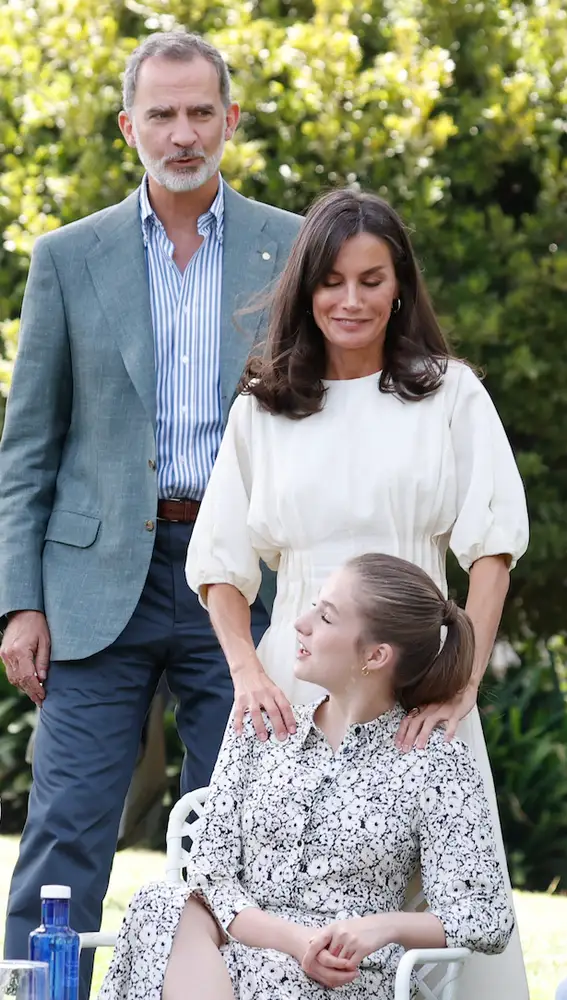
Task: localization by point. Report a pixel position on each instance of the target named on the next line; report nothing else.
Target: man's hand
(254, 691)
(25, 651)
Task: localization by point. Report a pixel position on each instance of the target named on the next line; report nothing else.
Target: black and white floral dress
(312, 835)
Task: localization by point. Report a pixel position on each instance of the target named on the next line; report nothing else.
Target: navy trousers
(88, 737)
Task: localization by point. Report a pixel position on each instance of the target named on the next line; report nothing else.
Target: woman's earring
(365, 670)
(396, 305)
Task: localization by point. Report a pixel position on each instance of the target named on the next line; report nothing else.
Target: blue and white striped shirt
(186, 316)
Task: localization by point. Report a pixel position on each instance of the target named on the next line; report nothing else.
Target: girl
(299, 871)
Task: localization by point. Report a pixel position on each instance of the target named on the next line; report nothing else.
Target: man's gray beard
(182, 178)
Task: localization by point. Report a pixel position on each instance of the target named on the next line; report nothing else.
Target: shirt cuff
(225, 901)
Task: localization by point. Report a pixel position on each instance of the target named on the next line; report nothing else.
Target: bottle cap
(55, 892)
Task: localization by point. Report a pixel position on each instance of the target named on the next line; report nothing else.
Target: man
(127, 365)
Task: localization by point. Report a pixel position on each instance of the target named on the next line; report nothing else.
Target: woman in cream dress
(357, 432)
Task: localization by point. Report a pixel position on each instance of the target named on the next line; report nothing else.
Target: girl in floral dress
(299, 871)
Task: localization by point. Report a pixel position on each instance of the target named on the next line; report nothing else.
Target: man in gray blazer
(127, 364)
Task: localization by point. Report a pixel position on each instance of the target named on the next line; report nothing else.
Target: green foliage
(16, 723)
(525, 724)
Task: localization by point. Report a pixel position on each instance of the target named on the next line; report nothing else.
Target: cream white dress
(369, 473)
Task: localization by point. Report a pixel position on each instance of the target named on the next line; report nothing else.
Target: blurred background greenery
(454, 111)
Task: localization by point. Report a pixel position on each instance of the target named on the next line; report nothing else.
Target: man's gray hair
(178, 45)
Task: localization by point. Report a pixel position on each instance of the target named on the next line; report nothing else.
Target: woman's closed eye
(335, 283)
(322, 613)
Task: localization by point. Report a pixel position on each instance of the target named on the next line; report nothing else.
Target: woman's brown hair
(287, 377)
(401, 605)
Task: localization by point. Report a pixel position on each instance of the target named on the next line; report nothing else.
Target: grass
(542, 919)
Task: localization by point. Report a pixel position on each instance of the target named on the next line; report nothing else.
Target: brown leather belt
(178, 510)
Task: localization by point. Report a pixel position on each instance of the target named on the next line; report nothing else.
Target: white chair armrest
(454, 958)
(98, 939)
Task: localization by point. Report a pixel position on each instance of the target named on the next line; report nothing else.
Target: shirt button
(149, 525)
(266, 255)
(185, 359)
(151, 464)
(184, 409)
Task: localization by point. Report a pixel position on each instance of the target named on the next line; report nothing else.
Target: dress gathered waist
(304, 570)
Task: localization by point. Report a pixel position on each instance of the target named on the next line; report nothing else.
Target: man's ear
(127, 129)
(232, 119)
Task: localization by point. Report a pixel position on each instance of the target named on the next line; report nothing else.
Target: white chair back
(179, 828)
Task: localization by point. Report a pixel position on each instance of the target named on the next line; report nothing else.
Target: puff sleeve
(492, 516)
(222, 548)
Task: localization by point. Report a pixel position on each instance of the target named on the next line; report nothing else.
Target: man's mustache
(186, 154)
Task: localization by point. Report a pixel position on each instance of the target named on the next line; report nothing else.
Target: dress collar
(383, 728)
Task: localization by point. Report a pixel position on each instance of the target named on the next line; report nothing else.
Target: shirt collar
(304, 720)
(216, 212)
(384, 727)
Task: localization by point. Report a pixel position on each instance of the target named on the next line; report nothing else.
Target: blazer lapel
(249, 260)
(117, 265)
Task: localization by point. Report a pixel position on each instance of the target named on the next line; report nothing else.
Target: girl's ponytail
(449, 672)
(400, 604)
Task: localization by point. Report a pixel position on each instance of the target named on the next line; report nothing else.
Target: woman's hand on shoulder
(254, 693)
(416, 728)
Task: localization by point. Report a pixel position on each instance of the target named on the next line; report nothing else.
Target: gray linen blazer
(78, 485)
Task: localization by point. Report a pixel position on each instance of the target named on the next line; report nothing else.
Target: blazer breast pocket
(72, 528)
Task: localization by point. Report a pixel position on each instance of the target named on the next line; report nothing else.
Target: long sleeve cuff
(224, 898)
(474, 920)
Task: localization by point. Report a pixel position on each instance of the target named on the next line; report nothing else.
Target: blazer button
(149, 525)
(151, 464)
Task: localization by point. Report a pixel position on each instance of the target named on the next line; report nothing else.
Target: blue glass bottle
(56, 943)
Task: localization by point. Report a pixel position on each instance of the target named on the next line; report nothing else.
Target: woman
(356, 431)
(307, 846)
